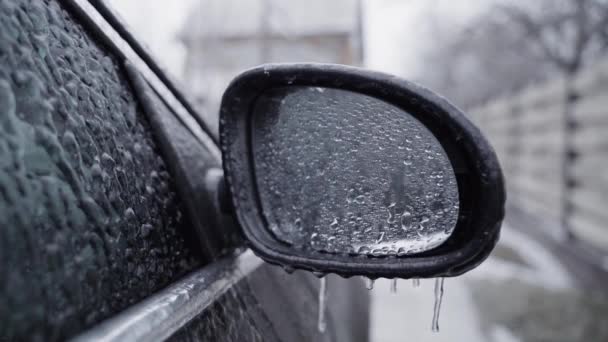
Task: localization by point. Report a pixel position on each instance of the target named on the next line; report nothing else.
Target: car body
(101, 221)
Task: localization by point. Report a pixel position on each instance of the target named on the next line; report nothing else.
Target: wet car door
(105, 233)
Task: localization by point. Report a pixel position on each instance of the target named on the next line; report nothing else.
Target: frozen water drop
(406, 220)
(370, 284)
(380, 238)
(350, 196)
(391, 217)
(394, 286)
(416, 282)
(437, 308)
(322, 324)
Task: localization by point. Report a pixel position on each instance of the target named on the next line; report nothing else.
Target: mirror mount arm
(218, 198)
(215, 186)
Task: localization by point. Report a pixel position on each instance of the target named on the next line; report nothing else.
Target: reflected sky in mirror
(347, 173)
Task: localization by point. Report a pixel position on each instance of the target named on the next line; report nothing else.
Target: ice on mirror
(345, 172)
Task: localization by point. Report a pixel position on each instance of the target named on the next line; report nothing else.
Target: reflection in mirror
(344, 172)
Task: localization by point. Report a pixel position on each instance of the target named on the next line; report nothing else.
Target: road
(521, 293)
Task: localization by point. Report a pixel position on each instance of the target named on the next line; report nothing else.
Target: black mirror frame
(478, 173)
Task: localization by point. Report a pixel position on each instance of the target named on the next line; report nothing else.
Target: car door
(107, 231)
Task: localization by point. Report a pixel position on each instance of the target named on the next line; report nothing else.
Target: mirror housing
(477, 171)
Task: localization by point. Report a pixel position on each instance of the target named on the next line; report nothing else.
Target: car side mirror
(336, 169)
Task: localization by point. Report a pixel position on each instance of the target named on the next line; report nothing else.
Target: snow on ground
(407, 315)
(543, 269)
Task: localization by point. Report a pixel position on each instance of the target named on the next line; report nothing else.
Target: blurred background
(533, 75)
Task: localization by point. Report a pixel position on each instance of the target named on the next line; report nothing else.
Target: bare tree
(484, 60)
(567, 33)
(513, 44)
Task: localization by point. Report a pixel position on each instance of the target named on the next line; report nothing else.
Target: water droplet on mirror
(380, 238)
(391, 216)
(406, 220)
(274, 227)
(321, 323)
(370, 284)
(437, 307)
(424, 222)
(350, 197)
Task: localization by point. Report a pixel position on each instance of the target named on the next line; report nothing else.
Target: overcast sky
(395, 30)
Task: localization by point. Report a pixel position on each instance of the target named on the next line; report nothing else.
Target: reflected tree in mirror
(343, 172)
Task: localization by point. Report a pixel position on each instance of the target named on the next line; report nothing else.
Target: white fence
(556, 164)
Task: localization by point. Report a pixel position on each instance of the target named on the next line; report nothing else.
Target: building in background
(225, 37)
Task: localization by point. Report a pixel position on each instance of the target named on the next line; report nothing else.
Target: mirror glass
(343, 172)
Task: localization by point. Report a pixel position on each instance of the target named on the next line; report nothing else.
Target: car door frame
(165, 313)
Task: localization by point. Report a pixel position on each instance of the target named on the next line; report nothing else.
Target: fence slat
(589, 229)
(532, 139)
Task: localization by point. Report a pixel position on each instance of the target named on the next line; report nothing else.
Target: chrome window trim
(161, 315)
